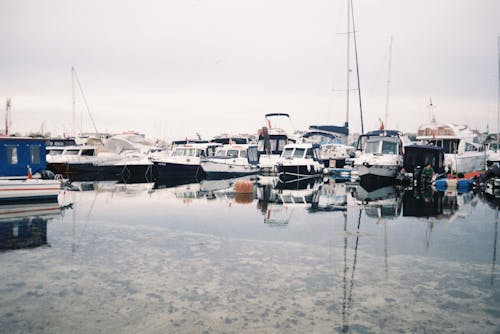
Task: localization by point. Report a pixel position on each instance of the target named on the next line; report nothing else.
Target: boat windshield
(220, 153)
(372, 147)
(299, 152)
(389, 147)
(449, 145)
(243, 153)
(288, 152)
(186, 152)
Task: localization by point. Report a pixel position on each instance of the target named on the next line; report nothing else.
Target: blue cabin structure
(17, 153)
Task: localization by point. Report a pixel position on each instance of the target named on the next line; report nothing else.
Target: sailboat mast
(357, 69)
(73, 102)
(388, 85)
(498, 102)
(348, 74)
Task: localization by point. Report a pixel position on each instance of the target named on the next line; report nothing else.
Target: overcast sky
(171, 68)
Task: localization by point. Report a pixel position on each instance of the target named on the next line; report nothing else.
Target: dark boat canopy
(277, 114)
(344, 130)
(384, 133)
(421, 155)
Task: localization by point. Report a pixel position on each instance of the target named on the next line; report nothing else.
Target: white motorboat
(272, 140)
(332, 140)
(299, 162)
(231, 161)
(381, 153)
(463, 150)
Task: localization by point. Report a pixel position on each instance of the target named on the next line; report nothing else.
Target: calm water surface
(198, 258)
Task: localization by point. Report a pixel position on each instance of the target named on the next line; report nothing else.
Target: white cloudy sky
(171, 68)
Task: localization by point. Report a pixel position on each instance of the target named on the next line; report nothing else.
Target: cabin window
(243, 153)
(71, 152)
(220, 153)
(211, 151)
(389, 147)
(470, 147)
(178, 152)
(372, 147)
(287, 153)
(232, 153)
(449, 145)
(11, 154)
(35, 154)
(280, 144)
(299, 152)
(55, 152)
(253, 155)
(88, 152)
(201, 153)
(309, 152)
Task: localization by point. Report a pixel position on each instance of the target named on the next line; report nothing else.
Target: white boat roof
(300, 145)
(444, 131)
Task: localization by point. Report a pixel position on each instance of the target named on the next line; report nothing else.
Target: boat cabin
(239, 151)
(454, 139)
(326, 134)
(382, 142)
(383, 145)
(195, 150)
(17, 153)
(421, 155)
(77, 150)
(301, 151)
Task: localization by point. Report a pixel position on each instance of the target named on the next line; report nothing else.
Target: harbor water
(199, 258)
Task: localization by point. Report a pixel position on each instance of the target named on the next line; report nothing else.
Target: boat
(463, 151)
(381, 153)
(22, 171)
(299, 162)
(332, 140)
(272, 139)
(122, 157)
(183, 162)
(231, 161)
(492, 146)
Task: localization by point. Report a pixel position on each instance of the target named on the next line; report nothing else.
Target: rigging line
(357, 68)
(388, 83)
(494, 250)
(85, 101)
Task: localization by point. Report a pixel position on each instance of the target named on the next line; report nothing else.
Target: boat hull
(171, 170)
(93, 172)
(225, 170)
(29, 190)
(387, 171)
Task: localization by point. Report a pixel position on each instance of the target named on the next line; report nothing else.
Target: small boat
(231, 161)
(272, 139)
(183, 162)
(22, 171)
(381, 153)
(463, 151)
(332, 140)
(299, 162)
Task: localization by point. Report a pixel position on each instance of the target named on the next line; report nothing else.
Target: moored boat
(22, 171)
(183, 162)
(463, 151)
(381, 153)
(299, 162)
(231, 161)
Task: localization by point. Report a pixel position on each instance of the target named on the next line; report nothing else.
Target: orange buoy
(243, 187)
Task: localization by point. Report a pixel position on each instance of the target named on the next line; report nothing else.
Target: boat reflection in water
(25, 225)
(277, 201)
(378, 202)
